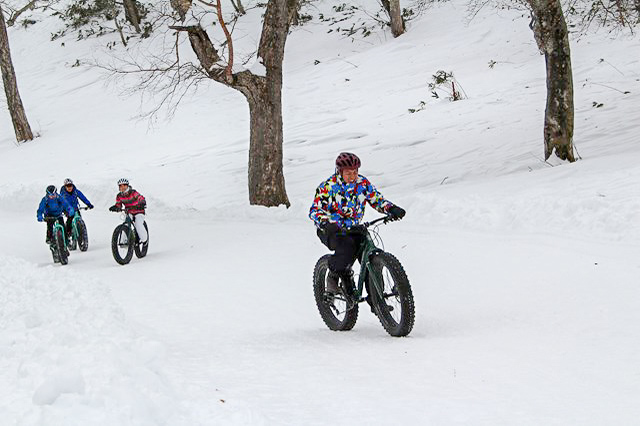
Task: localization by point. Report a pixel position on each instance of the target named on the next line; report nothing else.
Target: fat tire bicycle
(79, 235)
(387, 285)
(125, 241)
(58, 242)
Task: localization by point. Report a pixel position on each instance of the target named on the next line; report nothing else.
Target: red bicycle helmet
(347, 160)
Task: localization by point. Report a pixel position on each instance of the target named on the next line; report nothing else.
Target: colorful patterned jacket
(132, 201)
(342, 203)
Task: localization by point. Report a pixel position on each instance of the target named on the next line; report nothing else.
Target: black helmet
(51, 189)
(347, 160)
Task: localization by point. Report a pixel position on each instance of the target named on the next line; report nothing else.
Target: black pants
(346, 245)
(68, 229)
(50, 222)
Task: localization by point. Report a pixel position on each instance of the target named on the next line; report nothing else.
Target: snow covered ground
(524, 273)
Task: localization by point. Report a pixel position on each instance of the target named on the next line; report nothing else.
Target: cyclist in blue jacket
(53, 205)
(70, 194)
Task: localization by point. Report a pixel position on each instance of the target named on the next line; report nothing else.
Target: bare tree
(263, 93)
(550, 31)
(14, 102)
(237, 5)
(616, 14)
(394, 11)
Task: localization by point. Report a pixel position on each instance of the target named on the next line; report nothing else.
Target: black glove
(358, 229)
(396, 212)
(114, 209)
(90, 206)
(330, 229)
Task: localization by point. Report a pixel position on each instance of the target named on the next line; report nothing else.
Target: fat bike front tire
(122, 244)
(140, 249)
(60, 247)
(394, 307)
(334, 310)
(83, 237)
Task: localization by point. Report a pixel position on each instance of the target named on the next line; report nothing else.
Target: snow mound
(66, 345)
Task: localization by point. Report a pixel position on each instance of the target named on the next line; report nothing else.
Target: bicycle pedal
(328, 297)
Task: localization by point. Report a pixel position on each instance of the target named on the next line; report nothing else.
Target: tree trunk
(181, 6)
(397, 22)
(395, 16)
(16, 109)
(264, 95)
(550, 29)
(266, 178)
(132, 14)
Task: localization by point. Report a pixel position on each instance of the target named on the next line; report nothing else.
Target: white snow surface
(524, 272)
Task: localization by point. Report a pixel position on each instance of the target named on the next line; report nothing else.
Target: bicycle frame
(368, 250)
(56, 226)
(128, 222)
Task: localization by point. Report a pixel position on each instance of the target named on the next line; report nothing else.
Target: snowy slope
(524, 272)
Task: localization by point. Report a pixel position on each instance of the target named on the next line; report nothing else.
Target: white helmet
(123, 181)
(67, 181)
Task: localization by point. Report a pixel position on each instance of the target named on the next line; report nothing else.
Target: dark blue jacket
(72, 197)
(54, 207)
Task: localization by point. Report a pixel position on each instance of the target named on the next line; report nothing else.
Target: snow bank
(68, 355)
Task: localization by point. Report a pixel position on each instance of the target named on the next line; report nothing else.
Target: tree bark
(14, 102)
(550, 30)
(182, 7)
(395, 15)
(264, 95)
(266, 178)
(132, 14)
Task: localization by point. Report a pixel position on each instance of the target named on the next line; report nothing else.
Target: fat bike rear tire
(395, 307)
(122, 244)
(334, 310)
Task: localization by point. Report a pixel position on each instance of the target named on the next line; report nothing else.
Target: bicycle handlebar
(385, 219)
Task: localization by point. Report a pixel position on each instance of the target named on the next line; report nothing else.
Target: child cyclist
(134, 204)
(53, 206)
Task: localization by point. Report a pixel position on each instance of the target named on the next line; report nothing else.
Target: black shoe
(348, 288)
(388, 308)
(332, 283)
(347, 283)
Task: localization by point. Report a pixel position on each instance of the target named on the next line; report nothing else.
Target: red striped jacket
(131, 201)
